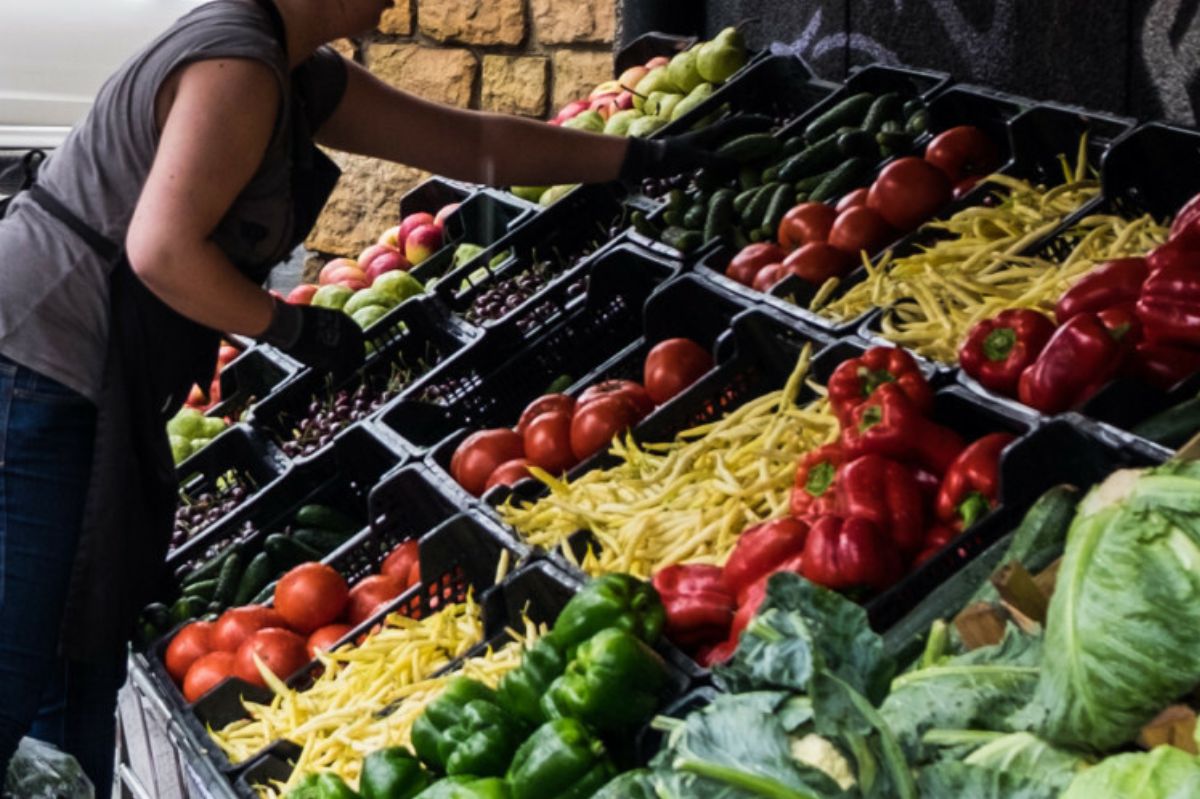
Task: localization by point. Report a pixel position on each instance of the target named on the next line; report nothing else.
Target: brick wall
(512, 56)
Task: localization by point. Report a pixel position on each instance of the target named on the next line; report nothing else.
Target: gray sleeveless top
(54, 304)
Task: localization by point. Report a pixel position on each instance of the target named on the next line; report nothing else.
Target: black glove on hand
(674, 155)
(327, 340)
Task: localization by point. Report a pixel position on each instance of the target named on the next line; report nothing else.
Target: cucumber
(771, 173)
(643, 225)
(231, 576)
(848, 113)
(793, 145)
(918, 123)
(676, 207)
(203, 589)
(321, 541)
(820, 157)
(707, 180)
(159, 615)
(257, 575)
(740, 239)
(720, 214)
(211, 568)
(847, 177)
(779, 205)
(683, 240)
(559, 384)
(742, 201)
(325, 518)
(806, 185)
(757, 209)
(886, 107)
(893, 143)
(858, 143)
(694, 218)
(757, 235)
(801, 197)
(1173, 427)
(891, 126)
(286, 552)
(187, 608)
(749, 177)
(751, 147)
(912, 106)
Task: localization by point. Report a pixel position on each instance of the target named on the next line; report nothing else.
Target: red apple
(630, 78)
(624, 101)
(340, 275)
(608, 87)
(605, 104)
(366, 256)
(354, 283)
(440, 219)
(554, 122)
(334, 265)
(410, 223)
(386, 262)
(657, 61)
(302, 294)
(572, 110)
(389, 236)
(422, 243)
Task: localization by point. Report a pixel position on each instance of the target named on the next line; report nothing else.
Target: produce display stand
(610, 296)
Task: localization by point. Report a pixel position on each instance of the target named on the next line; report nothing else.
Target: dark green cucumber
(203, 589)
(211, 568)
(913, 106)
(820, 157)
(694, 218)
(793, 146)
(751, 147)
(779, 205)
(858, 143)
(559, 384)
(891, 127)
(720, 214)
(918, 123)
(771, 173)
(848, 113)
(643, 225)
(187, 608)
(287, 552)
(757, 209)
(742, 201)
(806, 185)
(886, 107)
(159, 615)
(676, 207)
(749, 177)
(681, 239)
(849, 176)
(757, 235)
(257, 575)
(894, 142)
(1174, 427)
(321, 541)
(231, 577)
(325, 518)
(740, 240)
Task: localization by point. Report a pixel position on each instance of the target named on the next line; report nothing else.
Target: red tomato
(281, 651)
(323, 639)
(909, 191)
(965, 185)
(860, 228)
(237, 624)
(190, 644)
(745, 264)
(479, 455)
(1187, 214)
(596, 423)
(207, 671)
(370, 593)
(768, 276)
(852, 200)
(672, 366)
(544, 404)
(634, 392)
(508, 473)
(817, 262)
(963, 151)
(548, 442)
(400, 560)
(805, 224)
(311, 596)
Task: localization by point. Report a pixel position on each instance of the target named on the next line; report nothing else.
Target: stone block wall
(526, 57)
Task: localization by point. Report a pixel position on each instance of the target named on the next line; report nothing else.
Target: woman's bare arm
(378, 120)
(212, 142)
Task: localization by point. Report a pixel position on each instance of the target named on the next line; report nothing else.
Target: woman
(152, 228)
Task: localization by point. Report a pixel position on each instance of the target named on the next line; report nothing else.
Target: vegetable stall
(856, 468)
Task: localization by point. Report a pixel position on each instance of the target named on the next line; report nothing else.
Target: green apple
(213, 427)
(465, 252)
(181, 448)
(645, 126)
(399, 285)
(369, 315)
(199, 444)
(556, 193)
(589, 121)
(367, 298)
(529, 193)
(333, 296)
(618, 124)
(188, 424)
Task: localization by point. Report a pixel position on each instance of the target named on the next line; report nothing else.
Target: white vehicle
(55, 54)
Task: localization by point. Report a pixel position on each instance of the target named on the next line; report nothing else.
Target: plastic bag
(39, 771)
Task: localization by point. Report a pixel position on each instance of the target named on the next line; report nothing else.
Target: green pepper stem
(820, 478)
(873, 379)
(872, 416)
(755, 784)
(973, 507)
(999, 344)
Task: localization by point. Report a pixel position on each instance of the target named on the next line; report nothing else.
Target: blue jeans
(46, 434)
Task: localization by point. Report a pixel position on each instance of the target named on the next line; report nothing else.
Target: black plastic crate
(433, 194)
(482, 218)
(1062, 451)
(562, 237)
(250, 378)
(424, 337)
(413, 490)
(459, 556)
(237, 458)
(710, 312)
(650, 45)
(490, 382)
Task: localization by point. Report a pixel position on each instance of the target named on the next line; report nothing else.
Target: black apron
(154, 357)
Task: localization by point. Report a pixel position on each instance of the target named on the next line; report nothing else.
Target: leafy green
(1028, 756)
(1122, 621)
(951, 780)
(1162, 773)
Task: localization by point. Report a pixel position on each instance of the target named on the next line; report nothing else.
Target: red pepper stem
(973, 507)
(999, 344)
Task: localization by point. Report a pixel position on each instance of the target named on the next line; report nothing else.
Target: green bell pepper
(521, 690)
(465, 731)
(614, 600)
(307, 788)
(467, 788)
(561, 760)
(392, 773)
(614, 683)
(331, 786)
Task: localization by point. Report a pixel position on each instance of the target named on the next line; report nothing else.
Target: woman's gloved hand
(674, 155)
(327, 340)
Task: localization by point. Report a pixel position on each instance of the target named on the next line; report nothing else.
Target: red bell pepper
(844, 554)
(1162, 365)
(1107, 285)
(997, 350)
(815, 488)
(972, 483)
(935, 539)
(748, 605)
(1081, 357)
(855, 381)
(1170, 304)
(699, 609)
(759, 552)
(889, 424)
(886, 494)
(1182, 225)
